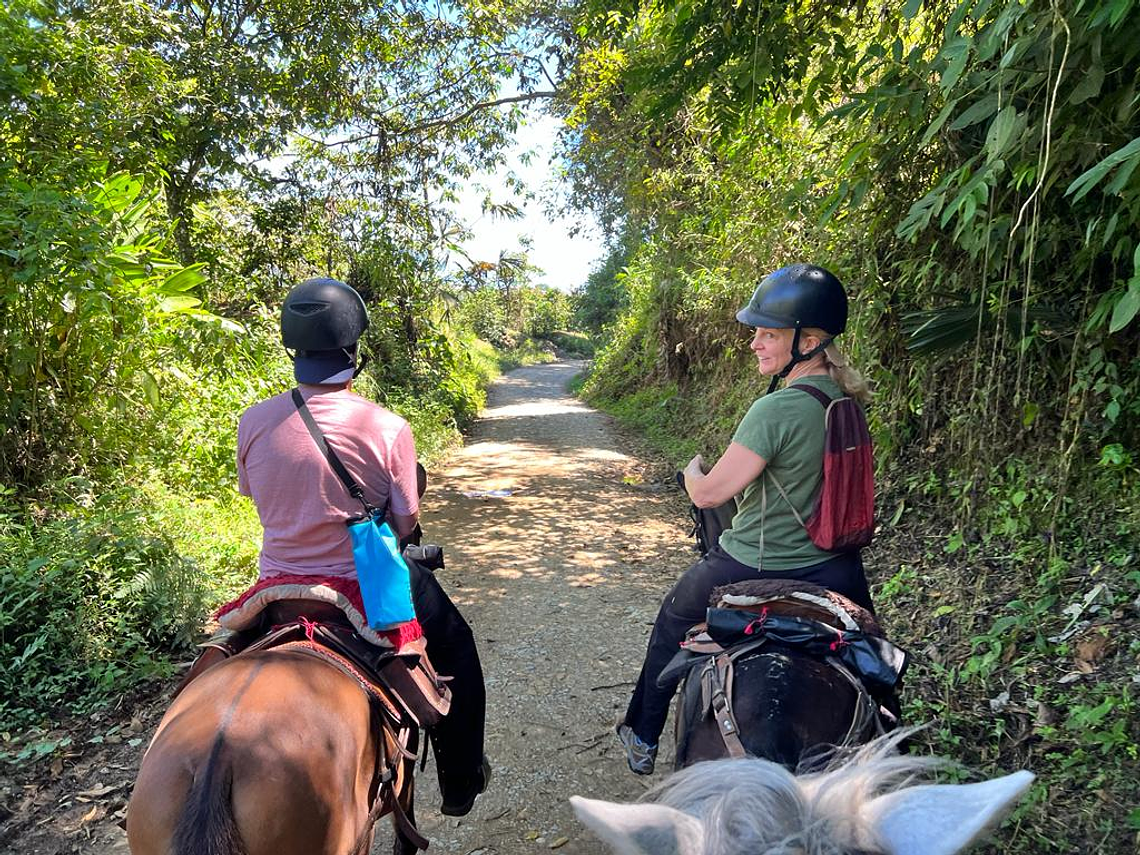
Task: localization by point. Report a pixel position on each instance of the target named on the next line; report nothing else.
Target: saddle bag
(422, 692)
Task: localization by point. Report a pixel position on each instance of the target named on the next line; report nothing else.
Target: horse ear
(641, 829)
(941, 819)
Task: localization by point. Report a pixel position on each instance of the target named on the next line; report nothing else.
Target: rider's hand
(696, 466)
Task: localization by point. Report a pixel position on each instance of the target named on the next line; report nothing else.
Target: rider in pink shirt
(301, 502)
(303, 505)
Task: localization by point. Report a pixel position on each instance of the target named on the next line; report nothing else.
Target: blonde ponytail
(850, 381)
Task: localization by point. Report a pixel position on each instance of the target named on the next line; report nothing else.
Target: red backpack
(843, 519)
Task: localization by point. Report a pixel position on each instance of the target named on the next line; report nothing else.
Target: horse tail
(207, 825)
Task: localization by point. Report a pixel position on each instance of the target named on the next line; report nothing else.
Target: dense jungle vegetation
(969, 169)
(168, 170)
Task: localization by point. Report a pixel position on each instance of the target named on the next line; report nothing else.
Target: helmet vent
(306, 309)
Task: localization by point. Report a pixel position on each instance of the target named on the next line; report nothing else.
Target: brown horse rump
(404, 691)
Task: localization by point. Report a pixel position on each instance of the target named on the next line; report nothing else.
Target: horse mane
(754, 807)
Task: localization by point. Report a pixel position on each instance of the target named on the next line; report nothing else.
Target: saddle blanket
(339, 591)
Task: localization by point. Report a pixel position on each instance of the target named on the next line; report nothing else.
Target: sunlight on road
(542, 408)
(558, 552)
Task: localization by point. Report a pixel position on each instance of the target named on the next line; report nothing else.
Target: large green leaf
(1126, 308)
(178, 303)
(183, 280)
(938, 330)
(979, 111)
(1004, 129)
(1090, 178)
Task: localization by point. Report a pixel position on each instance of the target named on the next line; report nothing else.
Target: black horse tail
(207, 825)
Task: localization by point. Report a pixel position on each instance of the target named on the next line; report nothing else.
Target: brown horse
(274, 752)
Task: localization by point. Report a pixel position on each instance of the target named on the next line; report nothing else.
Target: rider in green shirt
(796, 311)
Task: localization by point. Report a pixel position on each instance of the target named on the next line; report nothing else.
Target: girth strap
(717, 677)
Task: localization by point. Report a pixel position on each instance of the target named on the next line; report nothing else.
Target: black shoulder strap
(345, 476)
(820, 395)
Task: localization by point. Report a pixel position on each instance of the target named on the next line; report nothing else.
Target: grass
(575, 344)
(529, 351)
(94, 597)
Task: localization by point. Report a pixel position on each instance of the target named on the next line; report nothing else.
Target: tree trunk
(178, 208)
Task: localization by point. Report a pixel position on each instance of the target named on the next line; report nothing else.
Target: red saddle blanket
(339, 591)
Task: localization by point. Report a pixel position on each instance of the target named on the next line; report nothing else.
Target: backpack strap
(784, 493)
(820, 395)
(825, 401)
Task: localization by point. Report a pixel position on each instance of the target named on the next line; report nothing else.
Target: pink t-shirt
(302, 504)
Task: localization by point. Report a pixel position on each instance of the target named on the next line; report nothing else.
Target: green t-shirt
(786, 428)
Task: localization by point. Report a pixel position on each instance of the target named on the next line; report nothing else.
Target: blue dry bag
(382, 573)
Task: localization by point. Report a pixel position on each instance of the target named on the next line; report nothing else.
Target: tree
(401, 92)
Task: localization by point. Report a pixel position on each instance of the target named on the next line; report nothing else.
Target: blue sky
(566, 261)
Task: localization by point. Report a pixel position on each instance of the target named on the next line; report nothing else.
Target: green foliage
(604, 295)
(969, 169)
(92, 591)
(220, 536)
(507, 308)
(91, 301)
(266, 144)
(571, 343)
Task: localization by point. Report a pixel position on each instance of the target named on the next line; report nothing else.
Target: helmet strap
(797, 358)
(364, 360)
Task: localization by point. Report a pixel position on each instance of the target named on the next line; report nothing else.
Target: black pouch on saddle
(877, 662)
(708, 523)
(428, 556)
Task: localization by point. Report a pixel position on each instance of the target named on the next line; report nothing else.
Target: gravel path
(560, 581)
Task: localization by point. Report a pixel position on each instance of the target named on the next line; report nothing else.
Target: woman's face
(773, 349)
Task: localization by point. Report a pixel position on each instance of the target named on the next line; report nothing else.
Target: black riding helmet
(322, 314)
(794, 297)
(321, 320)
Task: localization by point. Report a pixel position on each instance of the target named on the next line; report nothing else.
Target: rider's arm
(404, 524)
(737, 468)
(404, 493)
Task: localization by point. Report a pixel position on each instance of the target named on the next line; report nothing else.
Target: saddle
(405, 693)
(746, 617)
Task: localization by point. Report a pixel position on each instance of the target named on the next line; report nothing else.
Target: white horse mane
(864, 801)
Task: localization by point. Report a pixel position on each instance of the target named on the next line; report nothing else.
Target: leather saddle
(403, 680)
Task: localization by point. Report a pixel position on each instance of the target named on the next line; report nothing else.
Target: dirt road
(560, 580)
